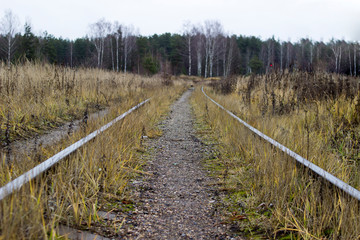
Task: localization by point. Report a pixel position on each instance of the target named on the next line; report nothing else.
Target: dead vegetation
(315, 115)
(94, 178)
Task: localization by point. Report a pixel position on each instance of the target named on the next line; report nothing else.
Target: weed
(73, 191)
(302, 207)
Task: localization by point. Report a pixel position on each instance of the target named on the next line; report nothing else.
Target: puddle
(27, 146)
(71, 233)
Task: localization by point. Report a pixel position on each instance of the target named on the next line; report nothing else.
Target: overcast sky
(285, 19)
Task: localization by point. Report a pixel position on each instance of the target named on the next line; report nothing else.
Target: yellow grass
(96, 176)
(295, 204)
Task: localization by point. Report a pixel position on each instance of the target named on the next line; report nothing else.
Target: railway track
(17, 183)
(351, 191)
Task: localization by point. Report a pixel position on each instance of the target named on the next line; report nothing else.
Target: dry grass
(93, 178)
(36, 97)
(269, 192)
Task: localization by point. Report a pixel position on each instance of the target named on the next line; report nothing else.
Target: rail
(316, 169)
(17, 183)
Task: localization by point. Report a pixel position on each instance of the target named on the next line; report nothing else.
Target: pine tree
(28, 43)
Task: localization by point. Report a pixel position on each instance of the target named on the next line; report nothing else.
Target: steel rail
(17, 183)
(316, 169)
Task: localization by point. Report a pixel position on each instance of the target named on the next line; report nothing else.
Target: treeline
(202, 50)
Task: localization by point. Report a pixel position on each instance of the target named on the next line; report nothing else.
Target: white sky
(285, 19)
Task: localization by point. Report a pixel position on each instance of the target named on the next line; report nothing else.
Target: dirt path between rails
(177, 202)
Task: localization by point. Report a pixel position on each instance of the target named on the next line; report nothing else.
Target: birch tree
(199, 43)
(189, 32)
(224, 43)
(129, 41)
(336, 49)
(213, 31)
(118, 36)
(230, 56)
(9, 27)
(109, 32)
(355, 52)
(98, 32)
(349, 50)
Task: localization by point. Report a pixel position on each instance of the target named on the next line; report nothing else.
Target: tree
(110, 37)
(151, 65)
(142, 48)
(176, 50)
(82, 51)
(28, 43)
(118, 37)
(289, 50)
(256, 65)
(213, 31)
(228, 60)
(355, 52)
(48, 49)
(199, 39)
(9, 28)
(336, 49)
(129, 41)
(98, 32)
(270, 54)
(188, 34)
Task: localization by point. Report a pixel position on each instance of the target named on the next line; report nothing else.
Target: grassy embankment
(318, 117)
(37, 97)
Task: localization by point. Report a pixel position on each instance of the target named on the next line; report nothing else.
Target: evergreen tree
(28, 43)
(176, 50)
(151, 65)
(256, 65)
(48, 49)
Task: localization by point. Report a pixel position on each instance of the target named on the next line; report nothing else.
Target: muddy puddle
(28, 146)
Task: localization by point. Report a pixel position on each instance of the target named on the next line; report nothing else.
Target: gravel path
(177, 202)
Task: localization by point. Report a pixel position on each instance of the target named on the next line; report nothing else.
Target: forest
(200, 49)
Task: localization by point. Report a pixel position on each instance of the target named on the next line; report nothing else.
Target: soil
(178, 201)
(28, 146)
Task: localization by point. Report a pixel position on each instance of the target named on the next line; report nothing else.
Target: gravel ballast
(177, 201)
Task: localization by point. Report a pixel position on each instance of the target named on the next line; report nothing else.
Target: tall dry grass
(37, 97)
(96, 176)
(270, 193)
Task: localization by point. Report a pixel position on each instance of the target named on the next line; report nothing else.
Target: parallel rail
(316, 169)
(17, 183)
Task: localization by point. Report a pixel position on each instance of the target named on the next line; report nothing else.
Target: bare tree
(9, 27)
(110, 36)
(351, 73)
(289, 55)
(355, 52)
(213, 31)
(71, 53)
(230, 56)
(336, 49)
(189, 32)
(98, 32)
(270, 43)
(224, 43)
(118, 35)
(129, 41)
(199, 40)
